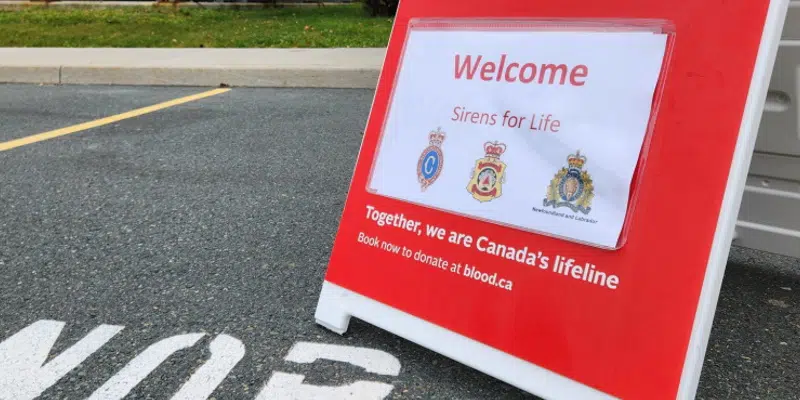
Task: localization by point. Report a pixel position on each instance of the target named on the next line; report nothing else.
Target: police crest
(431, 161)
(572, 186)
(489, 174)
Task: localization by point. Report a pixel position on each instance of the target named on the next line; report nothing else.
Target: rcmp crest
(431, 161)
(572, 186)
(489, 173)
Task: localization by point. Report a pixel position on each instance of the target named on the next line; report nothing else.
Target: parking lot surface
(198, 235)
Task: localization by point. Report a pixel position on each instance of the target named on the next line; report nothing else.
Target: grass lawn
(331, 26)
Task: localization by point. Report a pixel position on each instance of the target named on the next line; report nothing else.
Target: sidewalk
(327, 68)
(151, 3)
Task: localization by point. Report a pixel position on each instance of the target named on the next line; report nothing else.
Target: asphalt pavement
(217, 216)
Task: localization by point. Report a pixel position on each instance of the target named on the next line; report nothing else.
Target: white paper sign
(540, 130)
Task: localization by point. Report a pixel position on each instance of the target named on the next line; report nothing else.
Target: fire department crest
(572, 186)
(431, 161)
(489, 173)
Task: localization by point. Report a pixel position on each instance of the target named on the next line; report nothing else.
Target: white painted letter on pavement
(23, 374)
(290, 386)
(374, 361)
(283, 386)
(226, 352)
(137, 369)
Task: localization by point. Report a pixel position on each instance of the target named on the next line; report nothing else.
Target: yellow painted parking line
(105, 121)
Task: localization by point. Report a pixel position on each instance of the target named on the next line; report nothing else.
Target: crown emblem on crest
(489, 174)
(494, 149)
(576, 160)
(572, 187)
(431, 161)
(436, 137)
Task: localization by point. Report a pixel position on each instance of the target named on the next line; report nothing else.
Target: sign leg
(329, 314)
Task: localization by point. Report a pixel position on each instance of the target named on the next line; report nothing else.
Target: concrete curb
(317, 68)
(29, 74)
(244, 77)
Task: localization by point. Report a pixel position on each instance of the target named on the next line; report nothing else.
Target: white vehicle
(769, 218)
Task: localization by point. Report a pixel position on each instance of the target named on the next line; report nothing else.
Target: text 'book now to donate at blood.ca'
(546, 192)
